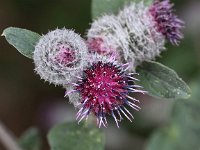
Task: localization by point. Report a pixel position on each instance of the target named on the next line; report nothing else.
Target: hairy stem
(7, 139)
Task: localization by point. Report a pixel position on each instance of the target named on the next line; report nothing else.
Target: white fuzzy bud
(59, 56)
(144, 40)
(107, 34)
(132, 34)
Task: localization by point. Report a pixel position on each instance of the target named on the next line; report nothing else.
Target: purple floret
(166, 21)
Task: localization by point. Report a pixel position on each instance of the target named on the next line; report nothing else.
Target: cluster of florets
(99, 73)
(139, 32)
(166, 22)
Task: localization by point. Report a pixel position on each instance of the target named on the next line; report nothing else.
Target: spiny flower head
(59, 56)
(166, 21)
(145, 42)
(104, 90)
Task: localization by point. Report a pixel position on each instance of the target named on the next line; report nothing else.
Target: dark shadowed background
(27, 101)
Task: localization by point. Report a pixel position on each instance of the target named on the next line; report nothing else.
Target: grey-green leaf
(23, 40)
(183, 130)
(75, 137)
(100, 7)
(162, 82)
(186, 112)
(174, 137)
(30, 140)
(164, 139)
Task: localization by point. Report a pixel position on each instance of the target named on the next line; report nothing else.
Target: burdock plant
(116, 58)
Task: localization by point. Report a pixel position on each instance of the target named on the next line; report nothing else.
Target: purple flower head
(104, 90)
(166, 21)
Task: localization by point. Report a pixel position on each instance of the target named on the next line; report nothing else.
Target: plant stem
(7, 139)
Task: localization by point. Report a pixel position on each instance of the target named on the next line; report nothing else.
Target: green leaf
(184, 130)
(172, 58)
(23, 40)
(75, 137)
(188, 123)
(30, 140)
(174, 137)
(195, 86)
(100, 7)
(186, 112)
(162, 82)
(164, 139)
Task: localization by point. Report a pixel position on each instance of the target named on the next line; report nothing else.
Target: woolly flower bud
(104, 90)
(59, 56)
(144, 40)
(107, 37)
(98, 45)
(166, 21)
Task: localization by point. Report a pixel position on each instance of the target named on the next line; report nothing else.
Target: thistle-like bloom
(166, 21)
(145, 42)
(59, 56)
(104, 90)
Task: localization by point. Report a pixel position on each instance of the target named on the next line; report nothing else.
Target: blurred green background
(26, 101)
